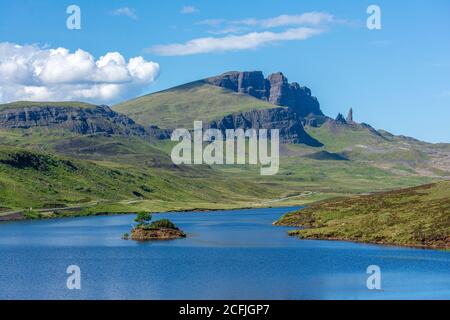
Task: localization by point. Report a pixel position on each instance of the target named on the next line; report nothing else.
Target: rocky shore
(141, 234)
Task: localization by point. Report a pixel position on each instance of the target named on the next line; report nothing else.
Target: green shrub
(163, 223)
(143, 219)
(27, 159)
(146, 188)
(31, 214)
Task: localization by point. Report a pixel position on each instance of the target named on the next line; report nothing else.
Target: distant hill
(230, 101)
(216, 97)
(99, 139)
(416, 216)
(56, 185)
(180, 106)
(62, 104)
(248, 100)
(76, 117)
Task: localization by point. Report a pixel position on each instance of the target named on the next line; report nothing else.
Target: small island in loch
(146, 230)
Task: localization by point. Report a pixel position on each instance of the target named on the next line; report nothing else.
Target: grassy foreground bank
(417, 217)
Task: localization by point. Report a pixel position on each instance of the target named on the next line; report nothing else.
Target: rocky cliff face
(288, 122)
(81, 120)
(276, 89)
(252, 83)
(350, 116)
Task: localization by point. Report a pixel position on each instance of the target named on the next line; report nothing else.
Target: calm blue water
(227, 255)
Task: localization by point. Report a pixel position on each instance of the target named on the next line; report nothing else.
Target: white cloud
(125, 11)
(60, 66)
(212, 22)
(188, 10)
(33, 73)
(142, 71)
(228, 30)
(305, 19)
(310, 19)
(232, 35)
(233, 42)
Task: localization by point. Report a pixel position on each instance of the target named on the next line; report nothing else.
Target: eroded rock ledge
(275, 89)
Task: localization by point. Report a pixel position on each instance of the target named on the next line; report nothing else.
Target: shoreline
(400, 218)
(19, 217)
(275, 224)
(291, 233)
(392, 245)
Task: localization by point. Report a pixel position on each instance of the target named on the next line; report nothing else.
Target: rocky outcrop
(158, 133)
(276, 89)
(340, 119)
(252, 83)
(341, 122)
(314, 121)
(81, 120)
(296, 97)
(141, 234)
(288, 122)
(350, 116)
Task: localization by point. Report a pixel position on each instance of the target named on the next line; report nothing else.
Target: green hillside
(374, 163)
(29, 104)
(338, 138)
(410, 217)
(104, 172)
(180, 106)
(44, 181)
(397, 154)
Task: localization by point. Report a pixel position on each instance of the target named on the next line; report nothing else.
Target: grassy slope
(338, 138)
(52, 181)
(180, 106)
(418, 216)
(395, 154)
(29, 104)
(119, 149)
(199, 100)
(299, 181)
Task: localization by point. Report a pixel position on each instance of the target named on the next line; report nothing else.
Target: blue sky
(396, 78)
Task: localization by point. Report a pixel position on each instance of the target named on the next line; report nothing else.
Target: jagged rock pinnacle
(340, 119)
(350, 115)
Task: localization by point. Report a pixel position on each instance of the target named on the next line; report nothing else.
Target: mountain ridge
(233, 100)
(75, 117)
(288, 123)
(275, 89)
(117, 143)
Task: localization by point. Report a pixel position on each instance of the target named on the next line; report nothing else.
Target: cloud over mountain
(305, 19)
(233, 42)
(33, 73)
(249, 33)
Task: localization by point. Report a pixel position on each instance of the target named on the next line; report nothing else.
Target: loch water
(227, 255)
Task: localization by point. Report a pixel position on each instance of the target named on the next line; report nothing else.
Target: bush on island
(143, 219)
(163, 223)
